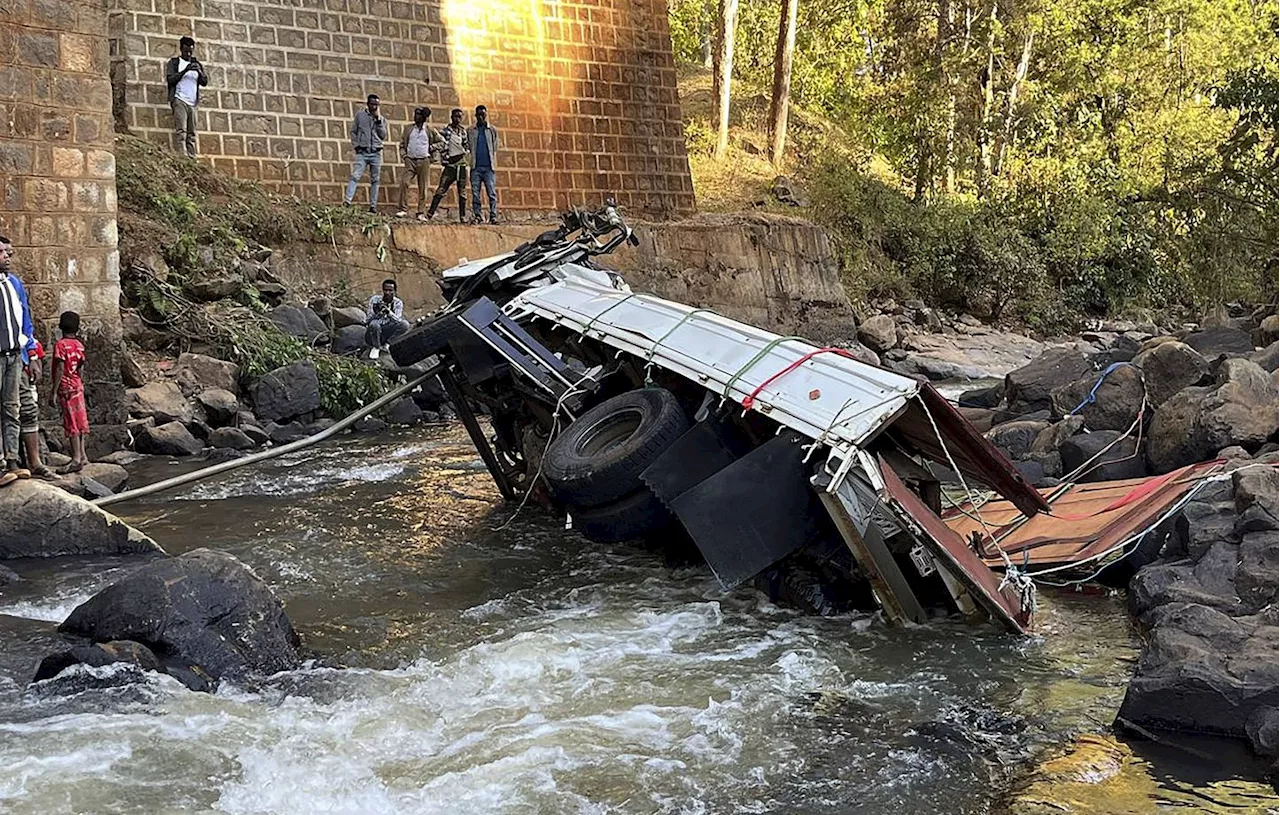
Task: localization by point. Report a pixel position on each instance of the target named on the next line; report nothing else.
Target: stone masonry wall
(583, 91)
(57, 178)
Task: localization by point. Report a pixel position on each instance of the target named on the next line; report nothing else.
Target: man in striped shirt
(16, 340)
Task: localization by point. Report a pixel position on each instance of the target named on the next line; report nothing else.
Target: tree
(727, 21)
(782, 80)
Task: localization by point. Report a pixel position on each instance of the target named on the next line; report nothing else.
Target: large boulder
(1170, 367)
(220, 406)
(204, 614)
(1239, 409)
(879, 333)
(1216, 342)
(41, 520)
(1115, 403)
(196, 372)
(1030, 387)
(288, 391)
(1118, 462)
(1052, 437)
(300, 322)
(347, 316)
(162, 401)
(348, 340)
(230, 438)
(171, 439)
(1268, 359)
(403, 412)
(1015, 438)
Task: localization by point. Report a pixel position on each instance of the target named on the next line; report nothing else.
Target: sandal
(21, 472)
(71, 467)
(44, 472)
(7, 478)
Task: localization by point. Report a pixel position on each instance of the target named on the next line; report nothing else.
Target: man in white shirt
(185, 76)
(419, 142)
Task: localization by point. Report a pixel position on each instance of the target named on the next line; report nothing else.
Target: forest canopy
(1031, 155)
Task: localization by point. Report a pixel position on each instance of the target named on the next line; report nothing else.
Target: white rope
(552, 433)
(1012, 576)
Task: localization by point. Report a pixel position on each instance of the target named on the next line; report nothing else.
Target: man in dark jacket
(185, 76)
(368, 132)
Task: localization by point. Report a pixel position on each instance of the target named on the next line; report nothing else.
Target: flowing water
(497, 665)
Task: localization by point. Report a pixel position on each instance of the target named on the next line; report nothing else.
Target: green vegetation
(1040, 161)
(205, 225)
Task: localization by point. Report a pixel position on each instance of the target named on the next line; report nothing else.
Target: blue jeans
(372, 161)
(485, 174)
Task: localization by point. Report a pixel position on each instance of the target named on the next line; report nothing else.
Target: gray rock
(1258, 487)
(879, 333)
(1015, 438)
(220, 406)
(231, 437)
(1116, 402)
(1263, 729)
(131, 373)
(1052, 437)
(96, 655)
(933, 369)
(348, 316)
(1268, 359)
(285, 433)
(256, 434)
(162, 401)
(203, 613)
(1216, 342)
(1170, 367)
(212, 289)
(1240, 409)
(172, 439)
(300, 322)
(348, 340)
(1173, 440)
(112, 476)
(1117, 463)
(403, 411)
(288, 391)
(196, 372)
(1255, 579)
(1200, 525)
(1030, 387)
(41, 520)
(369, 424)
(982, 397)
(1050, 463)
(860, 352)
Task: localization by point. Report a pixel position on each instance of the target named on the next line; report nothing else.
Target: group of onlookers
(20, 372)
(455, 148)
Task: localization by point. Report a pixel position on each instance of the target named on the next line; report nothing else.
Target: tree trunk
(782, 80)
(987, 82)
(1011, 103)
(724, 72)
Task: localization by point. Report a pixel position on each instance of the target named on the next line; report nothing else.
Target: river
(491, 664)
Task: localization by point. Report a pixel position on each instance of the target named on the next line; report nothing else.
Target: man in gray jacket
(368, 131)
(184, 76)
(482, 143)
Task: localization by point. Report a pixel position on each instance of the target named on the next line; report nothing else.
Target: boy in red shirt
(68, 362)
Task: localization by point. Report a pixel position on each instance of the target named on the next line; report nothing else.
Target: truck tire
(599, 457)
(427, 339)
(635, 516)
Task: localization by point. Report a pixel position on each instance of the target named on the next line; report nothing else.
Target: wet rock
(1263, 730)
(1015, 438)
(348, 340)
(1216, 342)
(982, 397)
(403, 411)
(112, 476)
(172, 439)
(1115, 404)
(255, 433)
(879, 333)
(220, 406)
(1030, 387)
(300, 322)
(288, 391)
(162, 401)
(196, 372)
(285, 433)
(8, 576)
(1170, 367)
(231, 437)
(348, 316)
(204, 612)
(41, 520)
(369, 424)
(1117, 463)
(96, 655)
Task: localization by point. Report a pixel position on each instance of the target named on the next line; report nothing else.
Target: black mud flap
(704, 450)
(752, 513)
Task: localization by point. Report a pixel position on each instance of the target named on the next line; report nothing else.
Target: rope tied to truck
(648, 359)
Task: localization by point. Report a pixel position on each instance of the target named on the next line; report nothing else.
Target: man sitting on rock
(386, 319)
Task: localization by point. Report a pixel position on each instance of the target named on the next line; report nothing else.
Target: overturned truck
(777, 458)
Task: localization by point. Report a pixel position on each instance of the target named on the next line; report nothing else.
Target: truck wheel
(635, 516)
(599, 457)
(429, 338)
